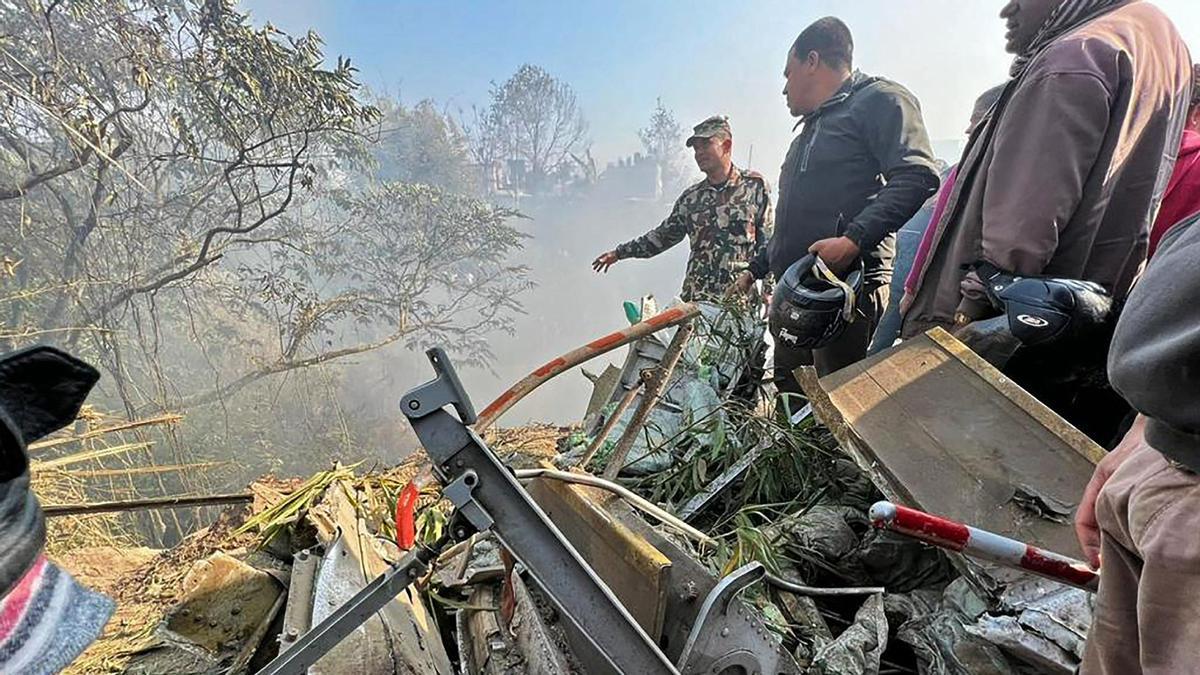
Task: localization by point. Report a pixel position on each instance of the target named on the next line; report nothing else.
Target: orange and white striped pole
(668, 317)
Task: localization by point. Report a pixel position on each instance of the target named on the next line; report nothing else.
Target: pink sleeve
(914, 272)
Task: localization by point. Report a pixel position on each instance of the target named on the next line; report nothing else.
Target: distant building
(635, 177)
(490, 177)
(512, 177)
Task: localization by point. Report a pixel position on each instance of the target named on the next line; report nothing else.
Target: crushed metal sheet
(932, 624)
(172, 656)
(1059, 613)
(604, 385)
(943, 646)
(635, 571)
(354, 556)
(225, 601)
(962, 598)
(1042, 505)
(1044, 624)
(1007, 633)
(368, 649)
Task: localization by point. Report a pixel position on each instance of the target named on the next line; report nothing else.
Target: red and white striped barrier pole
(982, 544)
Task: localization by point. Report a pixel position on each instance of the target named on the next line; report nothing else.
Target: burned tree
(144, 144)
(398, 263)
(534, 118)
(181, 203)
(662, 139)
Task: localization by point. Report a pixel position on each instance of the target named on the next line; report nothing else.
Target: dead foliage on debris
(533, 441)
(147, 583)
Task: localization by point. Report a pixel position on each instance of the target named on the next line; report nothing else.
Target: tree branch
(19, 190)
(285, 365)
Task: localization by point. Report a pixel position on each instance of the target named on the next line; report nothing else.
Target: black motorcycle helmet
(811, 306)
(1042, 310)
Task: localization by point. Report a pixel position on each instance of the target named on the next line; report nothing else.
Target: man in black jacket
(859, 169)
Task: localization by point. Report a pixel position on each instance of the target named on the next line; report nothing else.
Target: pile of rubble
(217, 601)
(784, 549)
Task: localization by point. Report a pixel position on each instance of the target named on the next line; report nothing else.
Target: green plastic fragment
(633, 313)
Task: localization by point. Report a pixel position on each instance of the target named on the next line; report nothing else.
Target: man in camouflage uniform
(727, 218)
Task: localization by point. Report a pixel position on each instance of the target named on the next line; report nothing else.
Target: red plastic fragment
(406, 524)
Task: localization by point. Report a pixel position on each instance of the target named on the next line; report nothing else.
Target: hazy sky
(702, 58)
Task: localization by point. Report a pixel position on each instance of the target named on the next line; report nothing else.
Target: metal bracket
(460, 492)
(297, 615)
(718, 643)
(440, 392)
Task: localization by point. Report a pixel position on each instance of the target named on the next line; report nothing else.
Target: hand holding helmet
(812, 306)
(840, 253)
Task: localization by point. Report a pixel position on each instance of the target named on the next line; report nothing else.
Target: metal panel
(224, 601)
(634, 570)
(941, 430)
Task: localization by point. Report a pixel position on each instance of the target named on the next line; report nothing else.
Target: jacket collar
(735, 177)
(856, 81)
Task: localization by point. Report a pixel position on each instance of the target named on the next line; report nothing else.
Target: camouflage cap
(717, 125)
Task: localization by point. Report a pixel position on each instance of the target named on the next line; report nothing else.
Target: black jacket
(861, 166)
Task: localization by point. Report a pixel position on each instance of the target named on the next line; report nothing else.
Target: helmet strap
(822, 270)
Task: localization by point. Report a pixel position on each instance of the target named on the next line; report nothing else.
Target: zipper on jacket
(808, 148)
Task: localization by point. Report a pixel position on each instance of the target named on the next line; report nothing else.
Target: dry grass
(102, 458)
(535, 441)
(146, 592)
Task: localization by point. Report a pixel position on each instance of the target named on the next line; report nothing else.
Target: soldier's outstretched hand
(605, 261)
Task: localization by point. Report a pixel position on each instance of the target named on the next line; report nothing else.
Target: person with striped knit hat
(46, 618)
